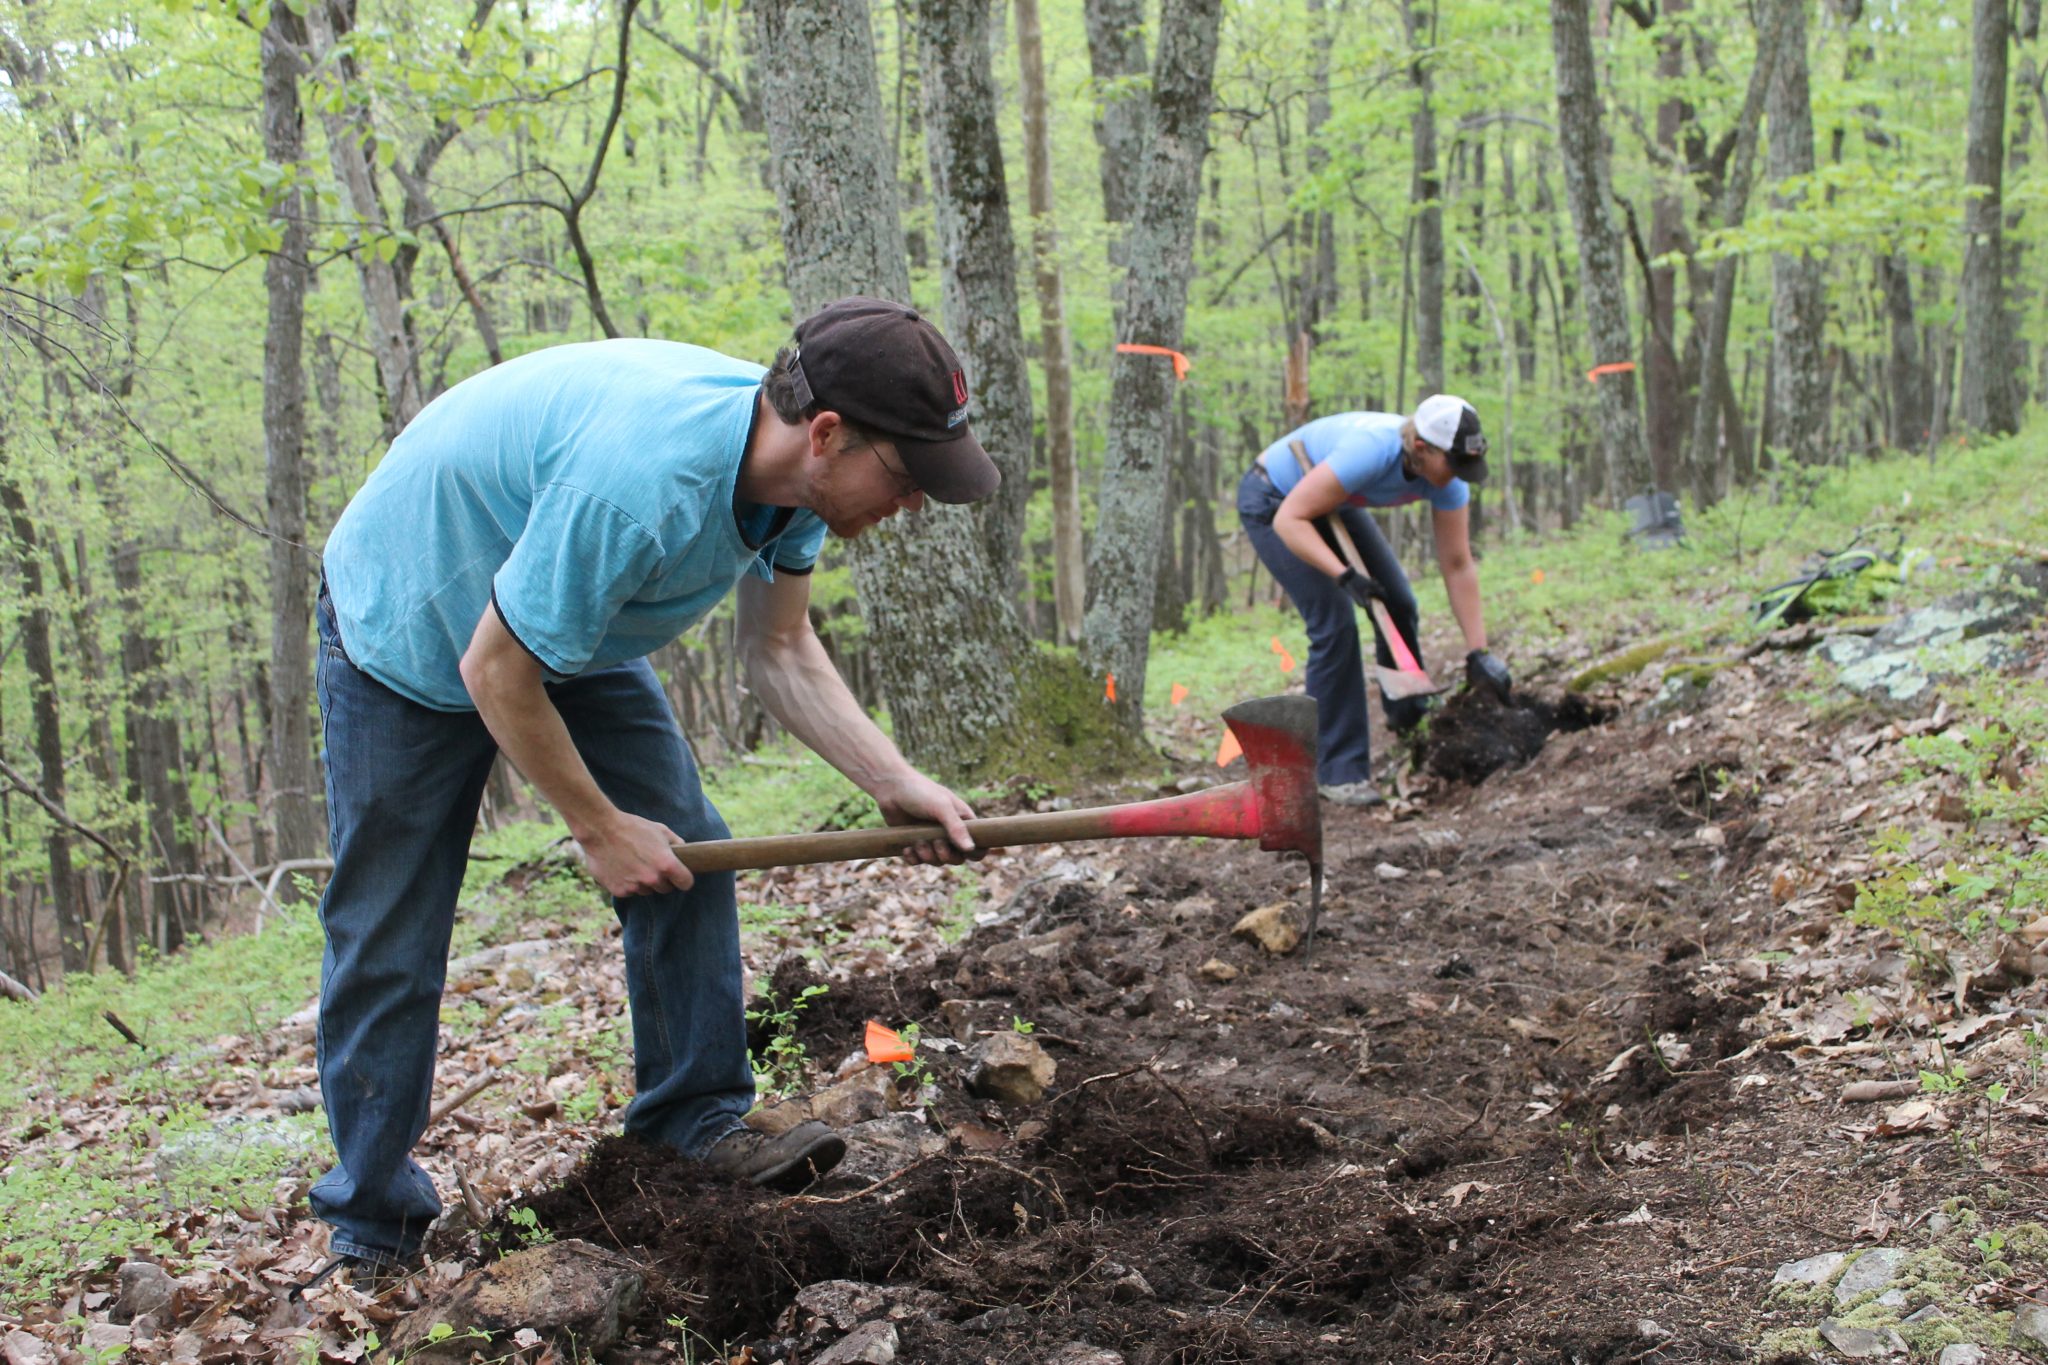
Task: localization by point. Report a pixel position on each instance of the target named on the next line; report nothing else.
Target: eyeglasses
(904, 482)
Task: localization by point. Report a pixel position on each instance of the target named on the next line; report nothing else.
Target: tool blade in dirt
(1407, 678)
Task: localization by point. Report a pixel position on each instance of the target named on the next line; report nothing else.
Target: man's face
(863, 485)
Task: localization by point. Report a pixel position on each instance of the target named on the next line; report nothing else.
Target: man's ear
(829, 434)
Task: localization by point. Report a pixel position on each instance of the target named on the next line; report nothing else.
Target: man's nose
(912, 502)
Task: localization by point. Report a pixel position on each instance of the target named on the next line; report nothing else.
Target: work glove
(1361, 589)
(1488, 674)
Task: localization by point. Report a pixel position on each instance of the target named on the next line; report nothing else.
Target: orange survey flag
(1178, 695)
(1180, 362)
(1109, 692)
(1228, 749)
(885, 1046)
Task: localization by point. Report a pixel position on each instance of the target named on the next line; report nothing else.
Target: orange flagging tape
(1228, 749)
(1178, 695)
(1286, 662)
(1109, 689)
(885, 1046)
(1618, 367)
(1180, 362)
(1276, 646)
(1536, 577)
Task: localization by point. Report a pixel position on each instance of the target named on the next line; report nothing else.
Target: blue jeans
(1335, 678)
(403, 786)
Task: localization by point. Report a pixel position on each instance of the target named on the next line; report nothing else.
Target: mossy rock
(1630, 661)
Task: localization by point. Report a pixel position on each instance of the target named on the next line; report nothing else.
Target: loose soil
(1513, 1108)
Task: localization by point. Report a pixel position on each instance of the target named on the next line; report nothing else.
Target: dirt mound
(1473, 735)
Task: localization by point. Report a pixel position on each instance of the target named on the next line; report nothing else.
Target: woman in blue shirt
(1359, 460)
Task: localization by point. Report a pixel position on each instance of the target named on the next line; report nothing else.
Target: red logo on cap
(959, 387)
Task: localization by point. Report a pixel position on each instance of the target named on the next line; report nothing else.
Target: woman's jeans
(1335, 678)
(403, 786)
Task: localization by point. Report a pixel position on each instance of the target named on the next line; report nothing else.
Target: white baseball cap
(1452, 425)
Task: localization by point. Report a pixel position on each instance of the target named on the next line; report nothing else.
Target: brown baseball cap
(884, 367)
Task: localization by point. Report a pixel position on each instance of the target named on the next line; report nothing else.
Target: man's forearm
(530, 732)
(795, 680)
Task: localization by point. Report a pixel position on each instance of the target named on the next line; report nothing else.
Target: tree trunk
(1602, 269)
(1905, 376)
(1062, 469)
(1316, 237)
(1426, 189)
(294, 812)
(1798, 394)
(42, 671)
(1116, 55)
(350, 143)
(948, 647)
(1988, 397)
(971, 197)
(1664, 395)
(1121, 567)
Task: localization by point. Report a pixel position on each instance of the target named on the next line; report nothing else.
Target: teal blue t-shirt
(588, 489)
(1363, 449)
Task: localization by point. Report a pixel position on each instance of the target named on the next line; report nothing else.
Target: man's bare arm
(788, 669)
(629, 856)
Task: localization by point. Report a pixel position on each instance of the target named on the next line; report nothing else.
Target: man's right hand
(630, 856)
(1361, 589)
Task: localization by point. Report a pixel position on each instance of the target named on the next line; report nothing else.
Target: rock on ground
(145, 1288)
(572, 1289)
(871, 1343)
(1011, 1069)
(1813, 1270)
(1874, 1269)
(1272, 927)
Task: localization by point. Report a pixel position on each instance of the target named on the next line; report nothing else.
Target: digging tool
(1276, 805)
(1407, 678)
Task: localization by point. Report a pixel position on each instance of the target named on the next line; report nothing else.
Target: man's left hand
(1489, 674)
(915, 799)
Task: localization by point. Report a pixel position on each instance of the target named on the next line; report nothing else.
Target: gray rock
(1961, 1353)
(2030, 1326)
(1873, 1270)
(871, 1343)
(1860, 1343)
(1084, 1353)
(569, 1290)
(1813, 1270)
(1926, 1313)
(997, 1320)
(1938, 1224)
(1047, 947)
(20, 1348)
(830, 1309)
(1125, 1284)
(1011, 1069)
(831, 1306)
(883, 1146)
(1953, 637)
(1892, 1298)
(860, 1097)
(145, 1288)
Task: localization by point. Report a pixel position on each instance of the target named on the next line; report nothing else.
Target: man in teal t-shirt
(496, 586)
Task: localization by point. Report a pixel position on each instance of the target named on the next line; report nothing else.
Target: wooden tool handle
(792, 850)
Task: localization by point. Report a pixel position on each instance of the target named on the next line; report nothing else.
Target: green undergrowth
(1988, 872)
(1595, 585)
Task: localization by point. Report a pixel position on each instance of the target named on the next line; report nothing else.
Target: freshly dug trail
(1404, 1144)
